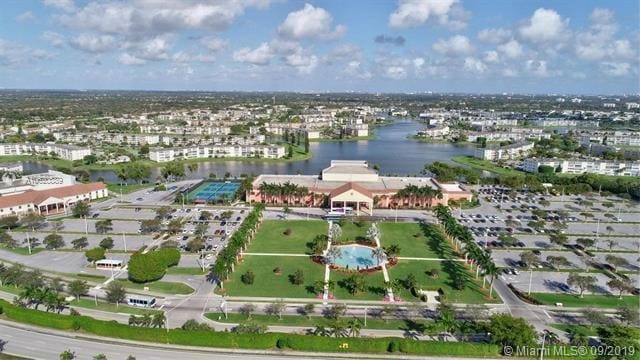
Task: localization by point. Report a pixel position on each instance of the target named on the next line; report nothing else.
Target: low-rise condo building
(352, 183)
(579, 166)
(507, 152)
(217, 151)
(65, 152)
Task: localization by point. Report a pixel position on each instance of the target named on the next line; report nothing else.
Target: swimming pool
(356, 256)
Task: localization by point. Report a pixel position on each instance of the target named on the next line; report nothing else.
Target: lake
(391, 150)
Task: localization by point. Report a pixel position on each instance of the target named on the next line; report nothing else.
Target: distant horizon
(323, 46)
(451, 93)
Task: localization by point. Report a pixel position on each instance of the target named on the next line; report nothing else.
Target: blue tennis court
(212, 191)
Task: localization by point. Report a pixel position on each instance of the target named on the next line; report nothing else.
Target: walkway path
(275, 254)
(427, 259)
(385, 273)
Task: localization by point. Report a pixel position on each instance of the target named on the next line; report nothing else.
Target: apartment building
(492, 122)
(514, 134)
(562, 122)
(439, 131)
(579, 166)
(507, 152)
(217, 151)
(65, 152)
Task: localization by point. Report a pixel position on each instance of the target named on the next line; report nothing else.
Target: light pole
(86, 226)
(365, 316)
(124, 240)
(29, 242)
(530, 280)
(396, 213)
(544, 335)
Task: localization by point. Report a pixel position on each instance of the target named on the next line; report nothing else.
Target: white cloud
(511, 49)
(457, 45)
(355, 69)
(509, 72)
(185, 57)
(64, 5)
(395, 72)
(474, 66)
(310, 22)
(26, 16)
(55, 39)
(494, 36)
(261, 55)
(545, 25)
(412, 13)
(617, 69)
(153, 49)
(127, 59)
(140, 18)
(94, 44)
(597, 43)
(343, 53)
(305, 63)
(540, 68)
(14, 54)
(214, 43)
(491, 57)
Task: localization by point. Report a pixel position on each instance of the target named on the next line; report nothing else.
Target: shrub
(393, 347)
(277, 270)
(94, 254)
(283, 343)
(434, 273)
(288, 232)
(248, 277)
(144, 268)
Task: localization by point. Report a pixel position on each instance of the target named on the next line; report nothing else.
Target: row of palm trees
(417, 196)
(283, 193)
(36, 296)
(462, 239)
(339, 328)
(157, 320)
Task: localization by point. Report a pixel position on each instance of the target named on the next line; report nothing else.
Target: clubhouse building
(351, 183)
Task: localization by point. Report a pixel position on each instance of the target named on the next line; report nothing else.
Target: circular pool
(355, 256)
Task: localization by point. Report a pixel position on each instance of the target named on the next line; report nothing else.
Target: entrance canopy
(352, 195)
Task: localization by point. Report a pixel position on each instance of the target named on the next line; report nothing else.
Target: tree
(507, 330)
(392, 251)
(619, 337)
(247, 310)
(558, 261)
(53, 241)
(353, 327)
(355, 283)
(308, 309)
(621, 286)
(616, 261)
(146, 267)
(159, 320)
(560, 239)
(586, 243)
(150, 226)
(335, 311)
(583, 282)
(32, 220)
(175, 226)
(115, 292)
(78, 288)
(629, 314)
(529, 258)
(248, 277)
(162, 212)
(81, 209)
(80, 243)
(94, 254)
(611, 244)
(9, 222)
(106, 243)
(276, 308)
(289, 152)
(446, 318)
(57, 225)
(306, 144)
(297, 278)
(67, 355)
(100, 357)
(104, 226)
(136, 170)
(173, 170)
(7, 240)
(593, 317)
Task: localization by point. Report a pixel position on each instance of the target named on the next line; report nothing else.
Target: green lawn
(103, 306)
(127, 189)
(598, 301)
(269, 284)
(22, 250)
(165, 287)
(352, 232)
(271, 237)
(303, 321)
(583, 329)
(185, 271)
(472, 294)
(403, 235)
(11, 289)
(375, 289)
(486, 165)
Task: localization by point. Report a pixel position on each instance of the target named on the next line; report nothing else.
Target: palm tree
(392, 251)
(159, 320)
(333, 254)
(354, 326)
(379, 254)
(492, 271)
(338, 328)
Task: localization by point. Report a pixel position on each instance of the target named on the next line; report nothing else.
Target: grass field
(402, 234)
(352, 232)
(583, 329)
(269, 284)
(103, 306)
(472, 294)
(127, 189)
(271, 237)
(375, 289)
(486, 165)
(23, 250)
(312, 321)
(165, 287)
(596, 301)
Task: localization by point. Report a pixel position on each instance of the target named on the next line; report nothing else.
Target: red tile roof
(36, 197)
(351, 186)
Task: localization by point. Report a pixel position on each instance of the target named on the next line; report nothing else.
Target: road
(32, 343)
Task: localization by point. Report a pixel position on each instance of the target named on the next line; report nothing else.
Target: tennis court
(212, 191)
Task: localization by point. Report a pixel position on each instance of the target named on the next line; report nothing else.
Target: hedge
(206, 338)
(152, 265)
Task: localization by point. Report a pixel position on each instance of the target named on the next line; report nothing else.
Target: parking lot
(556, 282)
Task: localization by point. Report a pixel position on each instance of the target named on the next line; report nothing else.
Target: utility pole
(530, 280)
(86, 226)
(29, 242)
(124, 240)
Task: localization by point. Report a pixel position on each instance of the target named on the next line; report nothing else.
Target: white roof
(109, 261)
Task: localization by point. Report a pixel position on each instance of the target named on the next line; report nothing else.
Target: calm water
(392, 151)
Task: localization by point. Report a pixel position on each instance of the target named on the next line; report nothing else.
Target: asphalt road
(31, 343)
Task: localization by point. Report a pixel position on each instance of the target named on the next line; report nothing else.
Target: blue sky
(285, 45)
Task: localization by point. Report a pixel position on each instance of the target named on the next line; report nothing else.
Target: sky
(497, 46)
